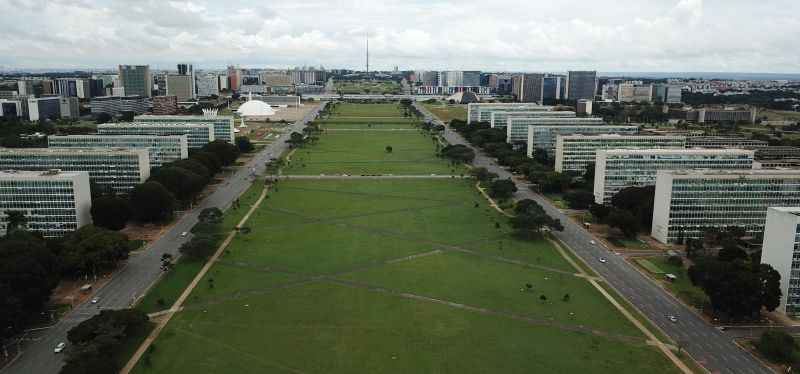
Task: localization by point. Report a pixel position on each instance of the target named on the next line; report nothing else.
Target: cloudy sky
(521, 35)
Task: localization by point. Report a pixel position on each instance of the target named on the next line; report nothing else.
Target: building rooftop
(733, 173)
(179, 117)
(620, 136)
(39, 175)
(87, 150)
(678, 151)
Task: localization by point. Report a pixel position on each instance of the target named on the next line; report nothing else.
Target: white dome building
(255, 110)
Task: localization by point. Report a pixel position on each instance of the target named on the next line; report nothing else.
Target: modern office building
(777, 152)
(118, 170)
(542, 137)
(69, 107)
(207, 85)
(667, 94)
(528, 88)
(616, 169)
(181, 86)
(500, 117)
(722, 114)
(44, 108)
(136, 80)
(165, 105)
(689, 202)
(471, 78)
(25, 88)
(290, 101)
(724, 142)
(517, 129)
(223, 125)
(13, 108)
(188, 71)
(575, 152)
(581, 85)
(161, 149)
(482, 112)
(54, 203)
(553, 87)
(781, 250)
(198, 134)
(116, 105)
(635, 93)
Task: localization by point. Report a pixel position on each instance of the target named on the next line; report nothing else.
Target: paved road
(712, 348)
(142, 269)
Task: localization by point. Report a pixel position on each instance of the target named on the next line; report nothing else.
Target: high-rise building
(13, 108)
(234, 78)
(781, 249)
(188, 71)
(25, 88)
(198, 135)
(552, 87)
(616, 169)
(116, 170)
(69, 107)
(690, 202)
(136, 80)
(223, 125)
(517, 129)
(180, 86)
(542, 138)
(44, 108)
(161, 149)
(528, 87)
(165, 105)
(207, 85)
(471, 78)
(576, 152)
(635, 93)
(581, 85)
(54, 203)
(115, 105)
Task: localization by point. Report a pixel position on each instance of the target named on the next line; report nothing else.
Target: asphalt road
(713, 349)
(142, 269)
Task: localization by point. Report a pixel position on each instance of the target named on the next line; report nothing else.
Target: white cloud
(607, 35)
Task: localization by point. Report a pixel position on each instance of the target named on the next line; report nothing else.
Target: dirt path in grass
(178, 303)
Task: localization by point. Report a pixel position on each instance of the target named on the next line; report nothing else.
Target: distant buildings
(553, 87)
(689, 202)
(136, 80)
(543, 137)
(576, 152)
(44, 108)
(165, 105)
(528, 87)
(198, 135)
(13, 108)
(118, 170)
(723, 114)
(635, 93)
(207, 85)
(161, 149)
(180, 86)
(581, 85)
(115, 105)
(781, 250)
(517, 129)
(616, 169)
(54, 203)
(234, 78)
(69, 107)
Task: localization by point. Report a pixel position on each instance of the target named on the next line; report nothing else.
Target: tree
(579, 199)
(227, 152)
(101, 118)
(92, 250)
(211, 215)
(296, 140)
(458, 153)
(730, 252)
(209, 160)
(199, 246)
(502, 189)
(28, 274)
(182, 183)
(599, 211)
(152, 202)
(531, 218)
(111, 212)
(96, 340)
(625, 221)
(15, 220)
(244, 144)
(777, 346)
(388, 149)
(737, 290)
(482, 174)
(638, 201)
(194, 166)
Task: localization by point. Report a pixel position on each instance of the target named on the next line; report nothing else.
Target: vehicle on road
(184, 234)
(95, 300)
(602, 260)
(672, 318)
(721, 328)
(593, 242)
(59, 347)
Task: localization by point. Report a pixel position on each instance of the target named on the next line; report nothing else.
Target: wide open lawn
(324, 283)
(364, 152)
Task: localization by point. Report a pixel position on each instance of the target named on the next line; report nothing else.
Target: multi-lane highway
(713, 349)
(143, 269)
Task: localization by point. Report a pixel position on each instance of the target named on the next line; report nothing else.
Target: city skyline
(666, 36)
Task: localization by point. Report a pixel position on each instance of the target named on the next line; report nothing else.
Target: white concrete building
(161, 149)
(575, 152)
(781, 250)
(481, 112)
(500, 118)
(198, 135)
(223, 125)
(689, 202)
(544, 137)
(517, 129)
(616, 169)
(54, 203)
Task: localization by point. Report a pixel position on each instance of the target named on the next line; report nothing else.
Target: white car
(60, 347)
(672, 318)
(602, 260)
(184, 234)
(593, 242)
(95, 300)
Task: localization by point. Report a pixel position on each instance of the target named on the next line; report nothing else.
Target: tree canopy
(111, 212)
(152, 202)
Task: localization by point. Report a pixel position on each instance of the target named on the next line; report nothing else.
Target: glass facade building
(54, 203)
(117, 170)
(197, 135)
(575, 152)
(781, 250)
(616, 169)
(161, 149)
(482, 112)
(544, 137)
(517, 129)
(500, 118)
(223, 125)
(689, 202)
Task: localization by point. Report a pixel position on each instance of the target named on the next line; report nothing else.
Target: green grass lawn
(448, 112)
(368, 110)
(682, 286)
(649, 266)
(392, 276)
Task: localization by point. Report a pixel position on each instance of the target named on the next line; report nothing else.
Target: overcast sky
(489, 35)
